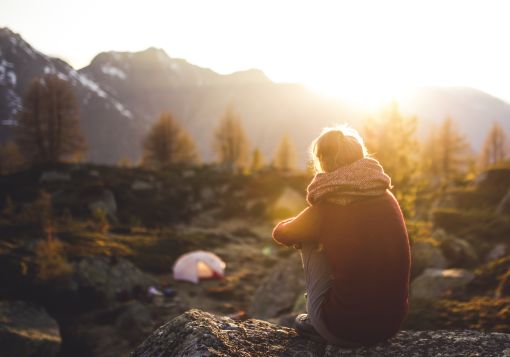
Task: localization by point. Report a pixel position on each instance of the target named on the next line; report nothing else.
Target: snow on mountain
(20, 63)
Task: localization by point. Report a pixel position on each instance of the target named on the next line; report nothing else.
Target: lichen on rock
(198, 333)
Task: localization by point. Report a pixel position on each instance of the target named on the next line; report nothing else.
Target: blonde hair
(336, 147)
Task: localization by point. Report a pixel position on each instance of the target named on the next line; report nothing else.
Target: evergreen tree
(495, 147)
(285, 156)
(230, 142)
(48, 124)
(168, 143)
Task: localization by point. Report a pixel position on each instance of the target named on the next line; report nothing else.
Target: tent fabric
(198, 265)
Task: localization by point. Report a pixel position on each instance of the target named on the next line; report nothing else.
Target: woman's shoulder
(384, 205)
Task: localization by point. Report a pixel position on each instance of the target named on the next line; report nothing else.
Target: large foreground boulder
(26, 330)
(197, 333)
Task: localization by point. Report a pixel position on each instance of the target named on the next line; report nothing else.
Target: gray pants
(318, 282)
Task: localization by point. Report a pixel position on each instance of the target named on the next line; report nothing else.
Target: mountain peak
(252, 75)
(154, 51)
(5, 31)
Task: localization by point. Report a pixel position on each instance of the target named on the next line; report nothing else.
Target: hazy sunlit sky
(363, 50)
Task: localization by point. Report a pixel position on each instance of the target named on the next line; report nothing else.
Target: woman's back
(357, 287)
(367, 246)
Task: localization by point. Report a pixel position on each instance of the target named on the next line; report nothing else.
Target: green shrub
(488, 277)
(481, 228)
(479, 313)
(39, 213)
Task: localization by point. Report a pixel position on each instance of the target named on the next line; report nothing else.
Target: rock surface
(438, 283)
(104, 200)
(426, 255)
(53, 176)
(498, 251)
(459, 252)
(26, 330)
(278, 292)
(197, 333)
(289, 203)
(504, 204)
(107, 278)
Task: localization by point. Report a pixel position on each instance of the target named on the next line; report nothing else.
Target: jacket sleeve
(302, 228)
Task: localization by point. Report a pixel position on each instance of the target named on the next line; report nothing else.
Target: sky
(366, 51)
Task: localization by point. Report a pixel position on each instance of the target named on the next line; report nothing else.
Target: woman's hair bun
(336, 147)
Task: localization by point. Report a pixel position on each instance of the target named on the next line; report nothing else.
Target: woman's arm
(302, 228)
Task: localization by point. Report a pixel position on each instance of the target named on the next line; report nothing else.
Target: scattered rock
(197, 333)
(278, 292)
(139, 185)
(26, 330)
(437, 283)
(290, 202)
(504, 204)
(480, 178)
(108, 279)
(188, 173)
(95, 339)
(446, 200)
(427, 254)
(104, 200)
(499, 250)
(207, 194)
(54, 176)
(134, 321)
(458, 252)
(205, 219)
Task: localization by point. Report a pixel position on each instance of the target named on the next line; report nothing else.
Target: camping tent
(196, 265)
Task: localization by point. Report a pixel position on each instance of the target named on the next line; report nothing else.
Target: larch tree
(285, 155)
(167, 143)
(48, 124)
(495, 147)
(454, 153)
(391, 138)
(257, 160)
(11, 159)
(430, 156)
(230, 142)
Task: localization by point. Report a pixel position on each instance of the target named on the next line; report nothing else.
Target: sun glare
(369, 96)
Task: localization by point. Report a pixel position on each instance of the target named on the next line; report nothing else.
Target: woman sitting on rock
(354, 245)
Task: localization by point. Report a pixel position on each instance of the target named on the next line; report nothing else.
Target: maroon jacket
(367, 245)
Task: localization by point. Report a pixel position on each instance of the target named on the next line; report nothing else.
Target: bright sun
(366, 95)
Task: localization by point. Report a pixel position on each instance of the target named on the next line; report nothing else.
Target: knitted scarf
(362, 179)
